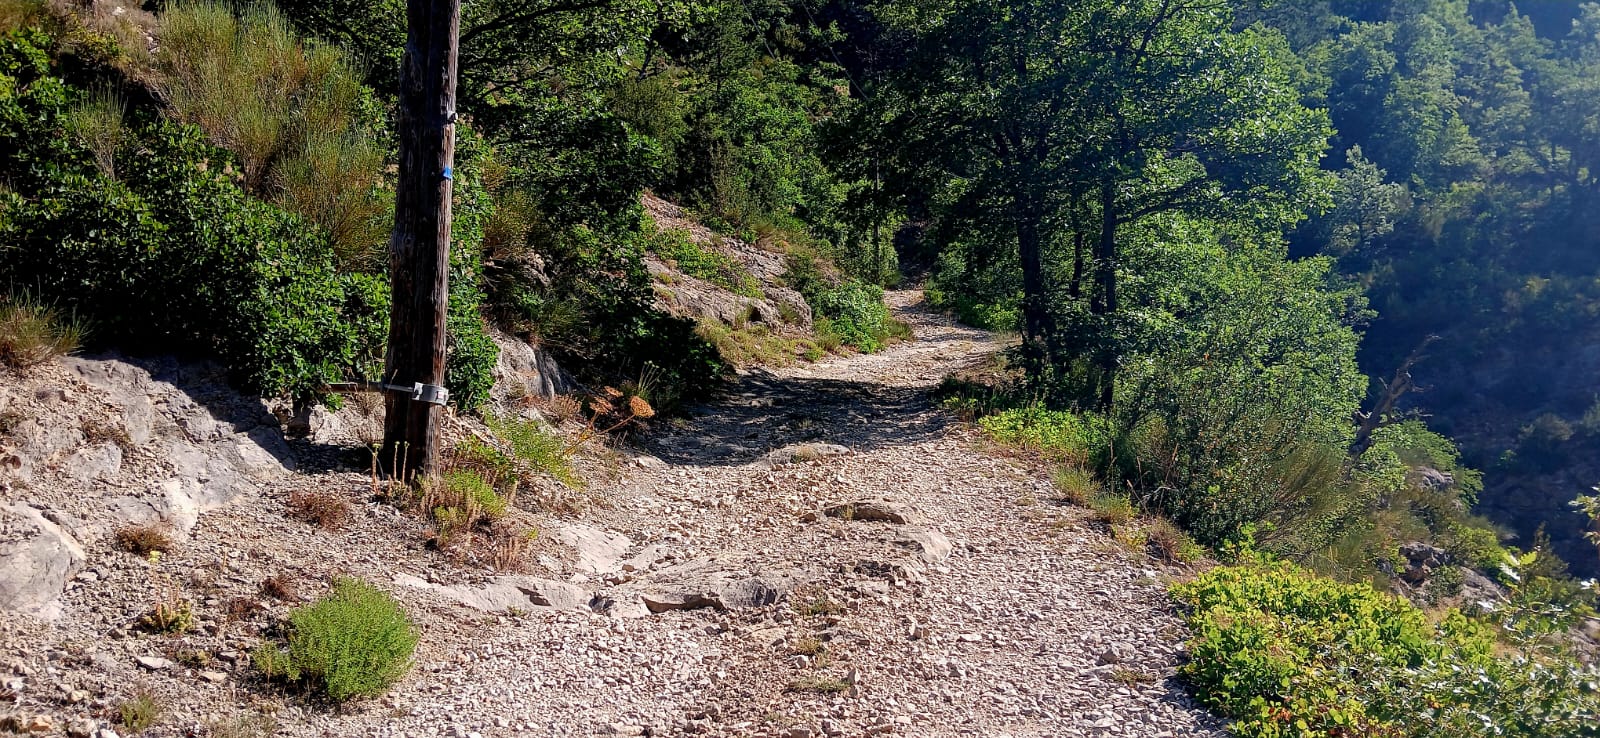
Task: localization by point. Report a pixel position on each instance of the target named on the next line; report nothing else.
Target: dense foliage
(173, 252)
(1465, 148)
(1288, 653)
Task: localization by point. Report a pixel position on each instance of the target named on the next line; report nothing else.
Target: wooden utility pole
(419, 250)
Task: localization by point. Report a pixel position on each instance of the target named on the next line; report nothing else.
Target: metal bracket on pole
(432, 394)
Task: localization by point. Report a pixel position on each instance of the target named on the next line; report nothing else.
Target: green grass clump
(1076, 484)
(1285, 653)
(355, 642)
(476, 492)
(543, 450)
(1113, 509)
(139, 712)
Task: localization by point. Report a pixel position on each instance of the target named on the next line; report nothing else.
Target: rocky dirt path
(711, 592)
(991, 612)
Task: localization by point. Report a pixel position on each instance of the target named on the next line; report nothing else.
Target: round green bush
(355, 642)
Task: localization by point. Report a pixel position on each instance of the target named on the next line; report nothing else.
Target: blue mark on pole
(448, 174)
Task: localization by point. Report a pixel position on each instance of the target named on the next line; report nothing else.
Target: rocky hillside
(771, 302)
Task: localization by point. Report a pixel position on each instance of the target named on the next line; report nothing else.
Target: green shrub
(305, 131)
(855, 312)
(355, 642)
(541, 449)
(1287, 653)
(471, 354)
(1057, 435)
(1475, 546)
(176, 256)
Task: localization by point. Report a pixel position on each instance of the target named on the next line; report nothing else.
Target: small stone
(626, 729)
(80, 729)
(153, 663)
(215, 677)
(801, 732)
(829, 728)
(106, 733)
(1109, 656)
(36, 724)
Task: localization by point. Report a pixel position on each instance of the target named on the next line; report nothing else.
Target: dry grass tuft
(145, 539)
(561, 409)
(280, 587)
(32, 333)
(325, 509)
(1170, 544)
(253, 725)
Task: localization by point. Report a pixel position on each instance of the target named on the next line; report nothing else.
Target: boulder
(37, 557)
(597, 551)
(721, 582)
(875, 510)
(930, 546)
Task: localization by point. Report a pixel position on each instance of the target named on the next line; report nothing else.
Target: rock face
(597, 551)
(1421, 560)
(37, 558)
(680, 294)
(508, 593)
(525, 370)
(100, 443)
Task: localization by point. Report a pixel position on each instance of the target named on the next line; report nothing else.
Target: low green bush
(541, 449)
(855, 312)
(1057, 435)
(1285, 653)
(354, 642)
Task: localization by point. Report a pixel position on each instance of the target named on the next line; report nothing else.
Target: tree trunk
(1106, 300)
(1075, 290)
(1035, 306)
(419, 249)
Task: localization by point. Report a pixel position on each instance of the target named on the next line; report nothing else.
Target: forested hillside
(1306, 287)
